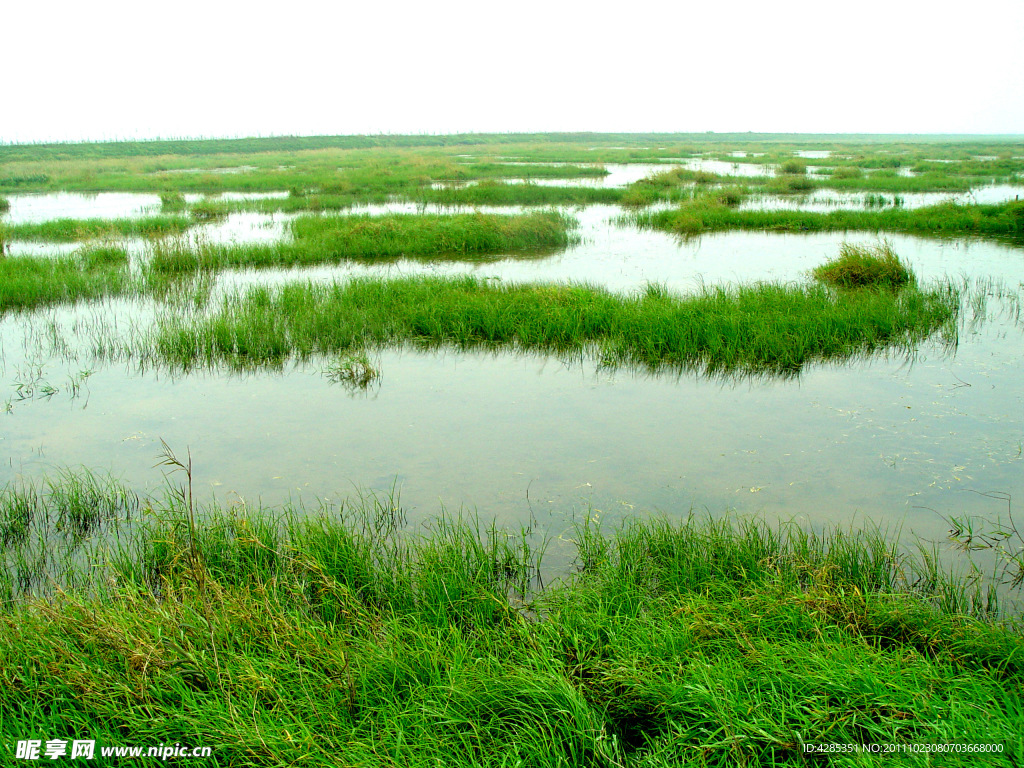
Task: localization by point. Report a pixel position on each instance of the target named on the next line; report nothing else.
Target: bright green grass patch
(704, 215)
(861, 266)
(27, 282)
(294, 638)
(75, 230)
(325, 239)
(762, 327)
(423, 234)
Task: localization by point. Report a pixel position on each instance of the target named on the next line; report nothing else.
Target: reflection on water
(30, 208)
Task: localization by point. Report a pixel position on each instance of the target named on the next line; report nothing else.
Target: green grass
(860, 266)
(498, 193)
(338, 637)
(172, 202)
(77, 230)
(758, 328)
(346, 170)
(28, 282)
(705, 215)
(5, 205)
(328, 238)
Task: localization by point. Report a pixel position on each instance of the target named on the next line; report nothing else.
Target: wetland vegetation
(340, 633)
(77, 230)
(287, 635)
(708, 213)
(764, 327)
(93, 273)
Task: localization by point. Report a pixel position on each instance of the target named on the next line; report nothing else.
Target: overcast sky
(110, 70)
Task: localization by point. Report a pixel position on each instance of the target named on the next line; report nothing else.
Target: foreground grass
(707, 214)
(285, 637)
(759, 328)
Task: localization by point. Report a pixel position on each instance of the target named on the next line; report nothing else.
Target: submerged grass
(759, 328)
(287, 637)
(75, 230)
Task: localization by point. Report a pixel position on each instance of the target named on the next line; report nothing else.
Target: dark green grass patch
(291, 637)
(75, 230)
(763, 327)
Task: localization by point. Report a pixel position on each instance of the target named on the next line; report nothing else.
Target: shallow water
(901, 442)
(895, 441)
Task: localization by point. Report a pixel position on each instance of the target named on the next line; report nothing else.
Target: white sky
(108, 70)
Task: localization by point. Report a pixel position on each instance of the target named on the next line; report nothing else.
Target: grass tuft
(863, 266)
(764, 327)
(172, 202)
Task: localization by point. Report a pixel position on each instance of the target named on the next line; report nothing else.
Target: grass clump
(863, 266)
(339, 637)
(490, 192)
(793, 167)
(701, 215)
(102, 256)
(5, 204)
(324, 239)
(172, 201)
(765, 327)
(417, 235)
(27, 282)
(77, 230)
(353, 371)
(209, 210)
